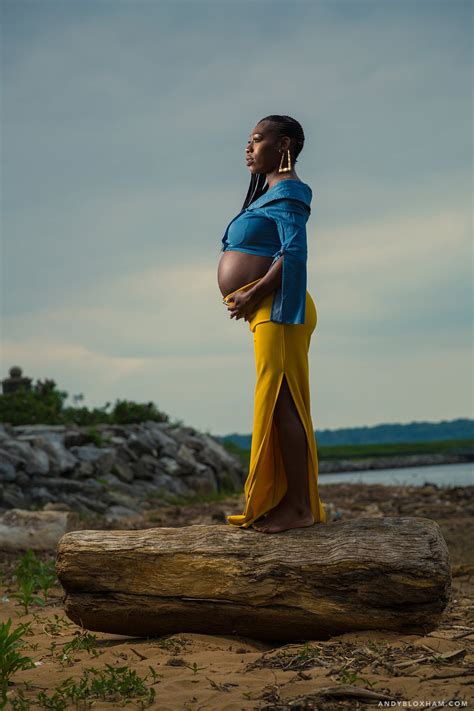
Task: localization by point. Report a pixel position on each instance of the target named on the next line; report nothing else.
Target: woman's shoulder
(285, 192)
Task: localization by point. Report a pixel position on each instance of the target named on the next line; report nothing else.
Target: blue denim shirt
(288, 205)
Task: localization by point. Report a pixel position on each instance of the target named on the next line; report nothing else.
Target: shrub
(44, 404)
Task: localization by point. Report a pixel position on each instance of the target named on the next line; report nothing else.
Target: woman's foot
(284, 517)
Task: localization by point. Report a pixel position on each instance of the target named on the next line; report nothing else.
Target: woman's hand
(241, 305)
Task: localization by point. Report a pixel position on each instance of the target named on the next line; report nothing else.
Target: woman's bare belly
(238, 268)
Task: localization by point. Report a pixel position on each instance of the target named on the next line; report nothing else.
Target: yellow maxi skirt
(280, 349)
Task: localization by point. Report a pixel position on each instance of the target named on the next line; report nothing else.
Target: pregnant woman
(262, 276)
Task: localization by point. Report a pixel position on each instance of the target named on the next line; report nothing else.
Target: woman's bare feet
(284, 517)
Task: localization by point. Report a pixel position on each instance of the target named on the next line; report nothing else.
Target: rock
(117, 513)
(169, 465)
(10, 458)
(117, 440)
(142, 443)
(202, 485)
(13, 497)
(194, 443)
(127, 451)
(20, 430)
(23, 480)
(70, 485)
(84, 470)
(102, 458)
(220, 453)
(165, 444)
(122, 470)
(40, 494)
(113, 480)
(47, 464)
(61, 460)
(7, 471)
(75, 438)
(170, 486)
(185, 454)
(141, 488)
(37, 459)
(204, 471)
(91, 503)
(38, 530)
(146, 467)
(23, 452)
(118, 498)
(57, 506)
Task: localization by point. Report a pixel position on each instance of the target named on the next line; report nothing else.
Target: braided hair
(285, 126)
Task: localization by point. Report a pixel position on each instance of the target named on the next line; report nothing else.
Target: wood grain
(388, 573)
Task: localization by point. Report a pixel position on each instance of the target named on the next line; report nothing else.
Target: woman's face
(262, 153)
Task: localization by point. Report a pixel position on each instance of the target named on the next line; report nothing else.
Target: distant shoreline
(363, 457)
(390, 462)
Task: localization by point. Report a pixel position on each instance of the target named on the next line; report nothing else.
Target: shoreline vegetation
(42, 403)
(381, 456)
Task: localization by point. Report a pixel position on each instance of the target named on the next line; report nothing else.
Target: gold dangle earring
(288, 168)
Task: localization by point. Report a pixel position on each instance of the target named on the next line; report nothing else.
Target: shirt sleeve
(289, 301)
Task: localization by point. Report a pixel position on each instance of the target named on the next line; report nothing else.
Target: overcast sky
(123, 130)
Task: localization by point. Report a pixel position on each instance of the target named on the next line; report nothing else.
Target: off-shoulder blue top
(274, 225)
(253, 233)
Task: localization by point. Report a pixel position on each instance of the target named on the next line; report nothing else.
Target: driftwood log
(388, 573)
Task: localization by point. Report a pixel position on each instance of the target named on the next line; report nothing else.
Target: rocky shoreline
(114, 471)
(390, 462)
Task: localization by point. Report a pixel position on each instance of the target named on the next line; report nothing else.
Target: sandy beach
(195, 671)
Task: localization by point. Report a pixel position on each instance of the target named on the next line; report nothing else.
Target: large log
(309, 583)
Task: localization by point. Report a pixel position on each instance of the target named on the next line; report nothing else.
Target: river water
(440, 474)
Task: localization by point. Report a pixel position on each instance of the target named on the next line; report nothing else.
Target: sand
(195, 671)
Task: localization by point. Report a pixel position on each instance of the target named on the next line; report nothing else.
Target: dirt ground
(350, 671)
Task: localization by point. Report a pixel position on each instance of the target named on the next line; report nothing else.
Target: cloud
(124, 129)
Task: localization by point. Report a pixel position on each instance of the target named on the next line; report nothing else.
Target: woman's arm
(289, 300)
(244, 303)
(268, 283)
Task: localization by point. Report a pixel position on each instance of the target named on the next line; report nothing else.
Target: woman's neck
(276, 177)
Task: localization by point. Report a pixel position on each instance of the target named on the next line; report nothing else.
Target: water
(440, 474)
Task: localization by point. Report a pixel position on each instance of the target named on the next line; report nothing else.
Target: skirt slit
(280, 350)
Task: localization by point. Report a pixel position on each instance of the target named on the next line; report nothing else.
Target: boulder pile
(114, 471)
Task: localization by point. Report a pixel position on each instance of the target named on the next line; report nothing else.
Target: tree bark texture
(389, 573)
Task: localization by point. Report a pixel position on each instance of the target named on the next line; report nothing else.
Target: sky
(123, 128)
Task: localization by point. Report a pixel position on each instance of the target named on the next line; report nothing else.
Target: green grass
(11, 659)
(463, 446)
(363, 451)
(32, 576)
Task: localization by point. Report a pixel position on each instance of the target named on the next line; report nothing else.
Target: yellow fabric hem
(280, 350)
